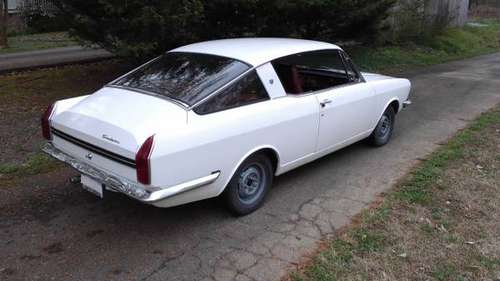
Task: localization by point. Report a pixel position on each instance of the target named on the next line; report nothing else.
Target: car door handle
(325, 102)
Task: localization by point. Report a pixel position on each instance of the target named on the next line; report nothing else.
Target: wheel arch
(394, 103)
(269, 150)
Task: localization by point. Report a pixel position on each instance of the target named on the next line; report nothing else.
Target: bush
(41, 17)
(145, 28)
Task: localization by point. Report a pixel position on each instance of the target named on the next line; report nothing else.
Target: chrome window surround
(341, 53)
(178, 102)
(236, 79)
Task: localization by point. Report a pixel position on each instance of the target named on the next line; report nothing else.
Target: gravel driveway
(50, 229)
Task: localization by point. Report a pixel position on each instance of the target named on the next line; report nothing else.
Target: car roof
(256, 51)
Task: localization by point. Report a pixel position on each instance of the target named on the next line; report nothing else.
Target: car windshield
(186, 77)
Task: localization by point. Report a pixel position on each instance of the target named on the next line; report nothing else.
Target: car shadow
(64, 196)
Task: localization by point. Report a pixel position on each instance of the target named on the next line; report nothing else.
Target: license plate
(92, 186)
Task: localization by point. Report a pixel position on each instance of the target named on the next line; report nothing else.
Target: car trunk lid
(119, 120)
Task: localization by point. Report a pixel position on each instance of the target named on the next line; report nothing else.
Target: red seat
(296, 80)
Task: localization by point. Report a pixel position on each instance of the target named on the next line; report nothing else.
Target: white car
(221, 118)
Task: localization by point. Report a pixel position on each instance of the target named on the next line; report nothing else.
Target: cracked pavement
(70, 235)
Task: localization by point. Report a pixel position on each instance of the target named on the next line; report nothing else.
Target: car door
(345, 104)
(347, 109)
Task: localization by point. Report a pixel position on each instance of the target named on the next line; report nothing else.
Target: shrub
(40, 16)
(144, 28)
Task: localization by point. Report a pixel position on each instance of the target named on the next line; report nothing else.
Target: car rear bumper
(147, 195)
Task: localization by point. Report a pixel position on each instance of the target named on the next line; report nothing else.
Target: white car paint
(256, 51)
(188, 146)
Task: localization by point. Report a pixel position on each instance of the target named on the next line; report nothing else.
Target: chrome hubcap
(250, 183)
(385, 126)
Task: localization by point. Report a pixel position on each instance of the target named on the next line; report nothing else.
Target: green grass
(343, 258)
(417, 189)
(36, 164)
(444, 272)
(32, 42)
(25, 96)
(453, 44)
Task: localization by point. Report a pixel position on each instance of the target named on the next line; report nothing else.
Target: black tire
(249, 186)
(385, 127)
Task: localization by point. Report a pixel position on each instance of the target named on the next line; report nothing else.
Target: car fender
(63, 105)
(248, 154)
(387, 105)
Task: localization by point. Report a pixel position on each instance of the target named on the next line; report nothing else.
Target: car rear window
(186, 77)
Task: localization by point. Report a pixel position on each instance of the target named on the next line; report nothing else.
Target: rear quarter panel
(221, 141)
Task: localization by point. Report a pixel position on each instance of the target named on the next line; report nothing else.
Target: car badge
(110, 138)
(89, 156)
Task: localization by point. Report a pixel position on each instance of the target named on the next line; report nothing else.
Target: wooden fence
(485, 8)
(38, 6)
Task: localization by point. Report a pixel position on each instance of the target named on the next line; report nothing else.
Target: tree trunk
(3, 23)
(447, 12)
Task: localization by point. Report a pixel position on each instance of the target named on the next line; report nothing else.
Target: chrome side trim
(144, 194)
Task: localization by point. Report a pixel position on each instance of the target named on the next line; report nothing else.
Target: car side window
(247, 90)
(311, 71)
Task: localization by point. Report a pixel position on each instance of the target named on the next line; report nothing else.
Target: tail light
(46, 122)
(142, 161)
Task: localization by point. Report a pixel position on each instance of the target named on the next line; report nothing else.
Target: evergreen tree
(140, 28)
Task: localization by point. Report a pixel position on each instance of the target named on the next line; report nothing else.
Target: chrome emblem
(110, 138)
(89, 156)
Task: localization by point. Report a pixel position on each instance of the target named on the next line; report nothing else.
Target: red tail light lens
(142, 161)
(46, 122)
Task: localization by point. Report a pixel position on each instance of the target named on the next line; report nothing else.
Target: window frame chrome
(227, 85)
(184, 105)
(317, 92)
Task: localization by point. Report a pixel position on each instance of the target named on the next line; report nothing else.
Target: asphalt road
(50, 57)
(70, 235)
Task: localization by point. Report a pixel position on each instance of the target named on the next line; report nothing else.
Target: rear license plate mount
(92, 186)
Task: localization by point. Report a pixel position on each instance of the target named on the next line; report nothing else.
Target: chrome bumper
(125, 186)
(407, 103)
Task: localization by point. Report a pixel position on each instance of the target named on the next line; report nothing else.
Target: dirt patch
(31, 184)
(24, 96)
(54, 248)
(441, 223)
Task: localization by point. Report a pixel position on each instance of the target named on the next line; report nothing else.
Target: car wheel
(383, 132)
(248, 187)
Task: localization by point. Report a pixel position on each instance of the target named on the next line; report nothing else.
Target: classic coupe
(221, 118)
